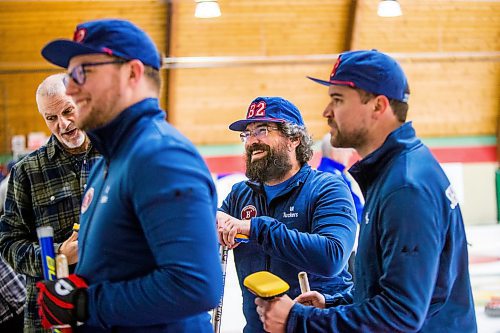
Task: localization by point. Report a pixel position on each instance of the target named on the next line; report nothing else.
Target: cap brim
(333, 83)
(60, 52)
(241, 125)
(323, 82)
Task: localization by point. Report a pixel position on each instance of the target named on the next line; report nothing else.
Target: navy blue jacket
(412, 262)
(310, 226)
(147, 242)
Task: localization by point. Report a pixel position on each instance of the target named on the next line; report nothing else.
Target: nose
(328, 111)
(63, 122)
(71, 87)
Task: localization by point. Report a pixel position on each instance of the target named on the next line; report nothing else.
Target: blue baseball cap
(119, 38)
(269, 109)
(372, 71)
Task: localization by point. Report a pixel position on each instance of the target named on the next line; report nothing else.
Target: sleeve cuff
(337, 299)
(254, 228)
(294, 314)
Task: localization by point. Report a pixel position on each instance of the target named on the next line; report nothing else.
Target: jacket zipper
(263, 202)
(96, 197)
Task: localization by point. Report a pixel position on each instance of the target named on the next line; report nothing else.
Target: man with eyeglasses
(297, 219)
(45, 189)
(148, 259)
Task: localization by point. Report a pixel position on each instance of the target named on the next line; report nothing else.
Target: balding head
(59, 112)
(51, 86)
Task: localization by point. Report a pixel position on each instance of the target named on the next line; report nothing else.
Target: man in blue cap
(412, 263)
(148, 258)
(297, 218)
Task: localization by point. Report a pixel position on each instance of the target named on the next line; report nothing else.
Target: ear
(136, 70)
(294, 142)
(380, 105)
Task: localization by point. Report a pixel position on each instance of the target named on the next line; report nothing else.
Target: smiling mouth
(82, 103)
(70, 132)
(258, 153)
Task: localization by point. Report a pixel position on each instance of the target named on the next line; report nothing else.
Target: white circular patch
(248, 212)
(87, 199)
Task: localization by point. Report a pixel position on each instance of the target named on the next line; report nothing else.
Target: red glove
(62, 301)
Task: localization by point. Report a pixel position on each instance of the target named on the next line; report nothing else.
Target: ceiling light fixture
(389, 8)
(207, 9)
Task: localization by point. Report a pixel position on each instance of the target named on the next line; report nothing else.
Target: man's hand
(62, 301)
(228, 227)
(274, 313)
(70, 248)
(311, 298)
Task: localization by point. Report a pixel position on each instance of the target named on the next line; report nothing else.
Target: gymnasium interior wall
(450, 50)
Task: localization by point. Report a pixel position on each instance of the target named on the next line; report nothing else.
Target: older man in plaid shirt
(45, 189)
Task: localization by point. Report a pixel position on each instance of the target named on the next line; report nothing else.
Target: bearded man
(297, 219)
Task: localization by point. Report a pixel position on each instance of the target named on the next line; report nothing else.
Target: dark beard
(354, 139)
(273, 166)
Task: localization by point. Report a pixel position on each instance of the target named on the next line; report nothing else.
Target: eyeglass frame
(74, 76)
(264, 132)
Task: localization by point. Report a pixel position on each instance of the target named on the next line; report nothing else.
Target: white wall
(474, 184)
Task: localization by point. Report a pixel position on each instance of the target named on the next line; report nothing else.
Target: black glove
(62, 301)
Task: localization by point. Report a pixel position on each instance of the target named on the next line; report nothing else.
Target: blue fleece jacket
(310, 226)
(147, 242)
(412, 263)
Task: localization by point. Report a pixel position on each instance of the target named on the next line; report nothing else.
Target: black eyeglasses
(78, 76)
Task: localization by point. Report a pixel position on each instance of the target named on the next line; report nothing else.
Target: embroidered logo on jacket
(291, 213)
(87, 199)
(452, 196)
(367, 218)
(104, 197)
(248, 212)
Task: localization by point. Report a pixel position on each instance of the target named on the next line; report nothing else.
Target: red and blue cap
(372, 71)
(119, 38)
(269, 109)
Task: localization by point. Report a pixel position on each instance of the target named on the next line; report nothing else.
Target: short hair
(53, 85)
(399, 108)
(303, 151)
(153, 75)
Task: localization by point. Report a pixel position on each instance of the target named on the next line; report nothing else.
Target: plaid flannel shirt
(45, 189)
(12, 292)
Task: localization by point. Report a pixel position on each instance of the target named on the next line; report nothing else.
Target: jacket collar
(107, 138)
(369, 168)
